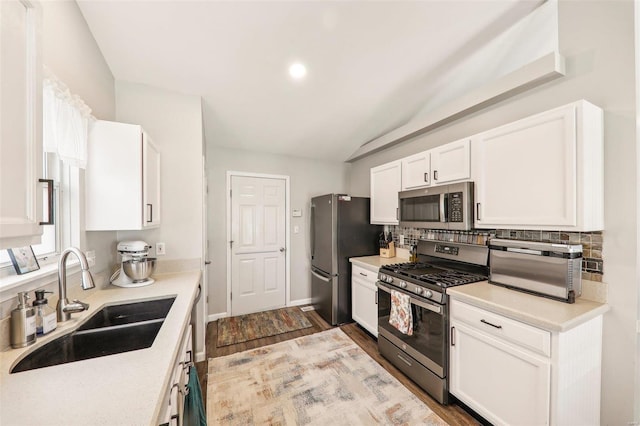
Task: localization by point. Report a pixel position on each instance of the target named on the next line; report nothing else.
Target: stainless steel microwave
(439, 207)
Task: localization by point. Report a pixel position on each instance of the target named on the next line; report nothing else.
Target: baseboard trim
(213, 317)
(300, 302)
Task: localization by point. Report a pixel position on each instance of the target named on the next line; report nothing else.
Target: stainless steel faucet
(64, 307)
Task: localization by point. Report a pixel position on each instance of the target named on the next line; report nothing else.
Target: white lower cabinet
(364, 298)
(513, 373)
(173, 410)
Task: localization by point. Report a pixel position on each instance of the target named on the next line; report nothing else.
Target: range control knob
(428, 293)
(389, 279)
(403, 284)
(417, 290)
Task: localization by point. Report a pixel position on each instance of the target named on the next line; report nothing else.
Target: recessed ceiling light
(297, 71)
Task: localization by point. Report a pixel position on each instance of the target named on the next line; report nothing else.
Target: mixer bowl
(139, 269)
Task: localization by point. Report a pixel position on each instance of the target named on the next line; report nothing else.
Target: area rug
(319, 379)
(261, 324)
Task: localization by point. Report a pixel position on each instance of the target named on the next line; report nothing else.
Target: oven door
(424, 208)
(428, 343)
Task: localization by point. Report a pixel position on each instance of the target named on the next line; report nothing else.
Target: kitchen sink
(112, 330)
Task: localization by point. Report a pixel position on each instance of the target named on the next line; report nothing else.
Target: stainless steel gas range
(424, 355)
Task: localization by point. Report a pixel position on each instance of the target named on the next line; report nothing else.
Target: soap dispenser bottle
(23, 323)
(46, 320)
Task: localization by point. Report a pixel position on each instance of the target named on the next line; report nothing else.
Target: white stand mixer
(130, 250)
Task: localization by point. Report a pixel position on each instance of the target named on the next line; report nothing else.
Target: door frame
(287, 236)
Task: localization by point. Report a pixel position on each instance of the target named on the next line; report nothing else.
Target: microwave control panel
(455, 207)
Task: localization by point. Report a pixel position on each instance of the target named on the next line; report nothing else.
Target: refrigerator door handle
(320, 277)
(313, 231)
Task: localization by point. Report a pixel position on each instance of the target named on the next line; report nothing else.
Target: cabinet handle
(453, 336)
(363, 274)
(426, 177)
(488, 323)
(403, 359)
(435, 175)
(49, 183)
(477, 211)
(150, 211)
(376, 297)
(397, 215)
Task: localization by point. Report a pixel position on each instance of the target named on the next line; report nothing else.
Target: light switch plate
(401, 240)
(297, 213)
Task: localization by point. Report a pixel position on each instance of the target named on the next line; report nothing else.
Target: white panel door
(258, 209)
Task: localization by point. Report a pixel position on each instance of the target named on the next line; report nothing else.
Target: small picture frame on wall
(23, 259)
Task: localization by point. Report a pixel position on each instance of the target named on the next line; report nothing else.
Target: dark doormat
(260, 324)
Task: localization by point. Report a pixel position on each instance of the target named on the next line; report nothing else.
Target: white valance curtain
(65, 122)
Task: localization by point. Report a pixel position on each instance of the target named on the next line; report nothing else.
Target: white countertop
(373, 263)
(122, 389)
(537, 311)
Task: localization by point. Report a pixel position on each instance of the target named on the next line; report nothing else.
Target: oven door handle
(432, 307)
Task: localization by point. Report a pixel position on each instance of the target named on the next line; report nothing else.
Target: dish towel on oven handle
(400, 316)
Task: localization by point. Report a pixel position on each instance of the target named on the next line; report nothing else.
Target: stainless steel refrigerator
(340, 229)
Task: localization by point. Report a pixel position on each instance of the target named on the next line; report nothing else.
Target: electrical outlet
(91, 257)
(296, 229)
(160, 249)
(401, 240)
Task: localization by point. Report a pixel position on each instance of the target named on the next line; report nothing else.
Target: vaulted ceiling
(369, 63)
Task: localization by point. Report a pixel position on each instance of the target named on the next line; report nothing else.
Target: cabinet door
(20, 124)
(526, 172)
(385, 185)
(151, 183)
(415, 171)
(502, 382)
(451, 162)
(364, 301)
(113, 178)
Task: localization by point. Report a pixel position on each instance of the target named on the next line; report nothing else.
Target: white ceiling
(369, 63)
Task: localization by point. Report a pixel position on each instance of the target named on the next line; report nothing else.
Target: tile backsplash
(592, 262)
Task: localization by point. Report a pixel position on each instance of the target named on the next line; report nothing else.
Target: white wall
(308, 178)
(71, 53)
(174, 123)
(597, 39)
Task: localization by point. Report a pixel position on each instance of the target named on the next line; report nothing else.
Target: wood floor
(452, 414)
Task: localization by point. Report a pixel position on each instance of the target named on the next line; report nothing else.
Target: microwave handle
(443, 210)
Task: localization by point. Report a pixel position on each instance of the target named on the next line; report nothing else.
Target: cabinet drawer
(365, 274)
(529, 337)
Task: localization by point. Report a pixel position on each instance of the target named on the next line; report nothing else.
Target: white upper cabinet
(543, 172)
(451, 162)
(416, 171)
(386, 182)
(122, 180)
(20, 123)
(441, 165)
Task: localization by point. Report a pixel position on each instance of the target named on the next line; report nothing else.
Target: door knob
(281, 249)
